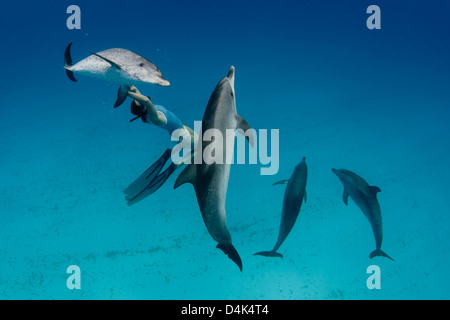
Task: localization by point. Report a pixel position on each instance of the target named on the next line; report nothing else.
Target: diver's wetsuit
(172, 121)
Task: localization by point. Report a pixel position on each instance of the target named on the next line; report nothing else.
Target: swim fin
(151, 180)
(147, 177)
(154, 185)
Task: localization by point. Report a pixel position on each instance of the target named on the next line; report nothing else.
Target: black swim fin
(135, 188)
(151, 180)
(154, 185)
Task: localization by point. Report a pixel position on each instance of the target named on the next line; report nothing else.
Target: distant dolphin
(210, 181)
(365, 197)
(293, 197)
(116, 65)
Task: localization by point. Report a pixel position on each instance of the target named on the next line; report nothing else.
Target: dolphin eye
(141, 64)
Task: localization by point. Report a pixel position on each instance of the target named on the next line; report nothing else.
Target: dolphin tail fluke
(122, 95)
(379, 253)
(269, 254)
(68, 62)
(231, 252)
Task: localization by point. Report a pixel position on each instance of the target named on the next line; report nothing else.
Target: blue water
(375, 102)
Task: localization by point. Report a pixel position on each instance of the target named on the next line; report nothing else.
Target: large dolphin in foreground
(116, 65)
(210, 178)
(294, 195)
(365, 197)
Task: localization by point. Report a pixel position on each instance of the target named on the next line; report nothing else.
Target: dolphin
(210, 181)
(294, 195)
(365, 197)
(116, 65)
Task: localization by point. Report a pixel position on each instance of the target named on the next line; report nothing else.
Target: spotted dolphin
(210, 178)
(365, 197)
(294, 196)
(115, 65)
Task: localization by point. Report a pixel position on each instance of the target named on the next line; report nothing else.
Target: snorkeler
(152, 179)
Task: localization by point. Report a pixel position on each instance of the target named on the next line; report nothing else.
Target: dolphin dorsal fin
(244, 126)
(374, 190)
(188, 175)
(107, 60)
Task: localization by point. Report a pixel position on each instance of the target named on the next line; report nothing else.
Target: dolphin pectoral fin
(345, 197)
(186, 176)
(281, 182)
(231, 252)
(379, 253)
(269, 254)
(122, 95)
(243, 125)
(68, 63)
(115, 65)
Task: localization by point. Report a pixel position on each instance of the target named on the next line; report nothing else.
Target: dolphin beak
(230, 76)
(163, 82)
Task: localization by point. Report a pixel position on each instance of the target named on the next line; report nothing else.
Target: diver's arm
(156, 117)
